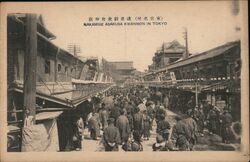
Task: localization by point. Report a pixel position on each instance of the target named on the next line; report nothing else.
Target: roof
(70, 98)
(122, 65)
(199, 57)
(42, 32)
(171, 47)
(87, 58)
(48, 115)
(40, 24)
(204, 55)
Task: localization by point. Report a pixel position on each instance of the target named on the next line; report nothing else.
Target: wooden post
(55, 64)
(196, 93)
(186, 54)
(30, 63)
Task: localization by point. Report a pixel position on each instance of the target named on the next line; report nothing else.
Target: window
(72, 70)
(59, 67)
(66, 69)
(47, 67)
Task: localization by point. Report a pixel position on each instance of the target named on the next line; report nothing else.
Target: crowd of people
(125, 116)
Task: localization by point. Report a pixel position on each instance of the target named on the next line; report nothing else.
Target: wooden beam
(30, 64)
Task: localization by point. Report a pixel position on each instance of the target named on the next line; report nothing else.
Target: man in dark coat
(138, 121)
(111, 136)
(130, 121)
(199, 117)
(226, 120)
(115, 111)
(212, 118)
(122, 124)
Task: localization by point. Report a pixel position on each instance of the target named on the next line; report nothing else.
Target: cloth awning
(48, 115)
(12, 128)
(227, 86)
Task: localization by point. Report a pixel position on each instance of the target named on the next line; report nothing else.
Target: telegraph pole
(30, 66)
(196, 85)
(74, 49)
(29, 88)
(185, 35)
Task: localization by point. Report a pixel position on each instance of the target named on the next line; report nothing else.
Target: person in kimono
(212, 118)
(163, 127)
(227, 121)
(94, 126)
(136, 143)
(181, 135)
(150, 112)
(104, 117)
(138, 121)
(122, 124)
(193, 129)
(77, 127)
(146, 125)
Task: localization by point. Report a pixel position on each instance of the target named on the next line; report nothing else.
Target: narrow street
(207, 142)
(90, 145)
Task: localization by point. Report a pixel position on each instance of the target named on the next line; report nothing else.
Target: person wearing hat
(111, 136)
(226, 122)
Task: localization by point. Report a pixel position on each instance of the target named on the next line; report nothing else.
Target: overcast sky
(209, 24)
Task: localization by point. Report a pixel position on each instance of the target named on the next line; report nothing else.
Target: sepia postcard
(124, 81)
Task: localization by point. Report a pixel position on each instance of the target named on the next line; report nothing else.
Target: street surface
(90, 145)
(206, 143)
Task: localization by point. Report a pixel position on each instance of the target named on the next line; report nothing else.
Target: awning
(12, 128)
(230, 86)
(75, 97)
(48, 115)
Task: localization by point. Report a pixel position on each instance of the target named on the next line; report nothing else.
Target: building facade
(119, 70)
(166, 54)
